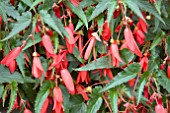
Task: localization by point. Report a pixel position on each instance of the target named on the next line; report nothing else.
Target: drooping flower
(58, 99)
(12, 66)
(81, 90)
(139, 35)
(83, 76)
(130, 42)
(75, 2)
(0, 20)
(144, 63)
(131, 82)
(37, 68)
(56, 10)
(106, 33)
(114, 51)
(47, 44)
(12, 2)
(142, 25)
(168, 71)
(152, 1)
(108, 72)
(45, 106)
(118, 27)
(68, 81)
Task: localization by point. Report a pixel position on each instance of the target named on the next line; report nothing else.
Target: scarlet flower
(142, 25)
(12, 66)
(27, 110)
(144, 63)
(0, 20)
(81, 90)
(168, 71)
(160, 109)
(114, 51)
(106, 33)
(47, 44)
(140, 37)
(37, 68)
(83, 76)
(146, 91)
(56, 10)
(108, 72)
(152, 1)
(70, 42)
(68, 81)
(116, 13)
(75, 2)
(45, 106)
(58, 99)
(130, 42)
(12, 2)
(118, 27)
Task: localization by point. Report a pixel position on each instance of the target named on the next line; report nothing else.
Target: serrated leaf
(113, 96)
(22, 23)
(27, 2)
(42, 95)
(60, 26)
(1, 90)
(21, 63)
(134, 8)
(145, 5)
(87, 3)
(111, 9)
(7, 77)
(10, 10)
(36, 2)
(142, 83)
(3, 11)
(46, 17)
(78, 11)
(14, 89)
(76, 54)
(129, 73)
(101, 63)
(157, 40)
(95, 101)
(168, 45)
(164, 81)
(126, 55)
(101, 6)
(31, 42)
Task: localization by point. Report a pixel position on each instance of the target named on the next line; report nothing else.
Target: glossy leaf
(113, 96)
(21, 63)
(111, 9)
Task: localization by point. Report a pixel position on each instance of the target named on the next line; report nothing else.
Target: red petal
(168, 72)
(75, 3)
(27, 111)
(45, 106)
(47, 44)
(37, 63)
(160, 109)
(11, 56)
(68, 81)
(109, 74)
(57, 94)
(12, 2)
(115, 52)
(12, 66)
(106, 33)
(89, 48)
(71, 40)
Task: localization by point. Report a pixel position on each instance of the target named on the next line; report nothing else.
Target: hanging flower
(75, 2)
(108, 72)
(45, 106)
(27, 110)
(83, 76)
(47, 44)
(56, 10)
(68, 81)
(106, 33)
(168, 71)
(114, 51)
(144, 63)
(37, 68)
(81, 90)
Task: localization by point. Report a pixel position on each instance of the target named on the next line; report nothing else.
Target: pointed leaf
(126, 55)
(113, 96)
(13, 95)
(46, 17)
(42, 95)
(87, 3)
(99, 9)
(1, 90)
(129, 73)
(78, 11)
(134, 8)
(95, 101)
(7, 77)
(3, 12)
(157, 40)
(36, 2)
(168, 45)
(22, 23)
(142, 83)
(111, 9)
(21, 63)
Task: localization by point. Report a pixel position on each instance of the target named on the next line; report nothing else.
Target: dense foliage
(85, 56)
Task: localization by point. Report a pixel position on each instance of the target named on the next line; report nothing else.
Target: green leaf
(10, 11)
(113, 96)
(101, 63)
(95, 101)
(87, 3)
(129, 73)
(7, 77)
(36, 2)
(111, 9)
(22, 23)
(145, 5)
(164, 81)
(126, 55)
(77, 55)
(46, 17)
(42, 95)
(1, 90)
(101, 6)
(60, 26)
(134, 8)
(78, 11)
(142, 83)
(31, 42)
(21, 63)
(13, 95)
(3, 11)
(157, 40)
(168, 45)
(27, 2)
